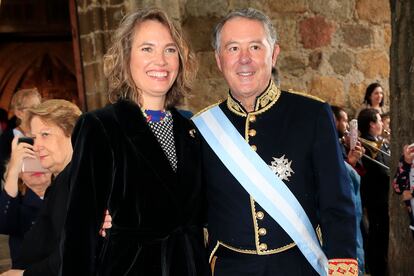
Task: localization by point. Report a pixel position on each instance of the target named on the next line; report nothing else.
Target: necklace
(155, 115)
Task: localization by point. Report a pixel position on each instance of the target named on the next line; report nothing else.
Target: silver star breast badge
(282, 167)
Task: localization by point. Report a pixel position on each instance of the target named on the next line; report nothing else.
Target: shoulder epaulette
(207, 108)
(306, 95)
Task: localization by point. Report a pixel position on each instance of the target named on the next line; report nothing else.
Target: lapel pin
(192, 132)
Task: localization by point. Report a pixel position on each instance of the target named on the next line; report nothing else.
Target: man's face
(245, 57)
(342, 123)
(376, 127)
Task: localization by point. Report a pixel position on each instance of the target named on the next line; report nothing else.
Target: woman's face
(52, 146)
(376, 96)
(36, 180)
(154, 60)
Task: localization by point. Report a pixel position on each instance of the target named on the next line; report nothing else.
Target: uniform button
(252, 118)
(262, 231)
(263, 246)
(252, 132)
(253, 147)
(260, 215)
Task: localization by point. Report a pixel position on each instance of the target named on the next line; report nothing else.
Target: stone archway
(47, 66)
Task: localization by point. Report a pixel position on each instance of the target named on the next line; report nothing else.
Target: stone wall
(329, 48)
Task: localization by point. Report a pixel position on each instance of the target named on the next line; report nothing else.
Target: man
(294, 137)
(375, 185)
(354, 167)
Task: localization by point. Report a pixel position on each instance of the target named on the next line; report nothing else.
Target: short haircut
(248, 13)
(336, 110)
(18, 100)
(365, 117)
(62, 113)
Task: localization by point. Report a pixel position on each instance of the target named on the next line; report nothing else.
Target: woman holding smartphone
(51, 125)
(139, 159)
(22, 195)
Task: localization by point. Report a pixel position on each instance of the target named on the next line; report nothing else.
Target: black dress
(157, 214)
(40, 248)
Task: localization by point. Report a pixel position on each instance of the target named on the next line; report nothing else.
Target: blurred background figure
(354, 167)
(51, 125)
(386, 130)
(21, 197)
(403, 183)
(374, 97)
(4, 120)
(374, 191)
(21, 101)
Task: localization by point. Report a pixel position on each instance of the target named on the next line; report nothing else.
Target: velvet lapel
(143, 140)
(186, 147)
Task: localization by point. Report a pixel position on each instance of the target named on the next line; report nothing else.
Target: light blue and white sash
(261, 183)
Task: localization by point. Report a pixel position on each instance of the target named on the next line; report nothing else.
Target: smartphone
(30, 164)
(28, 140)
(353, 133)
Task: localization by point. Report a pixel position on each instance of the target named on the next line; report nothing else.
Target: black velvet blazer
(157, 214)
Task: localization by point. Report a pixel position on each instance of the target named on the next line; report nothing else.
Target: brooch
(192, 132)
(282, 167)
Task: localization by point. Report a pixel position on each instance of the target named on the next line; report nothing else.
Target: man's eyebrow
(258, 41)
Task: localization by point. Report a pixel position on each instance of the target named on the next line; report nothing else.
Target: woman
(21, 101)
(21, 197)
(403, 183)
(138, 158)
(51, 125)
(374, 97)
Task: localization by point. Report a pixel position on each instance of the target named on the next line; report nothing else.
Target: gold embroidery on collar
(263, 103)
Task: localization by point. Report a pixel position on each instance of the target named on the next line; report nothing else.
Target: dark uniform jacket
(157, 214)
(296, 137)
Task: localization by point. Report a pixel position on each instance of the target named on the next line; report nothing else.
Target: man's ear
(276, 51)
(217, 56)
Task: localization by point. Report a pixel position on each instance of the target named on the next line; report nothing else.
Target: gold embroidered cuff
(343, 267)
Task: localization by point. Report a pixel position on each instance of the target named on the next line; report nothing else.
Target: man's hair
(368, 92)
(336, 110)
(365, 117)
(248, 13)
(118, 58)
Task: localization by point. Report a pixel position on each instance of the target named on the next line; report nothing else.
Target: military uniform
(296, 137)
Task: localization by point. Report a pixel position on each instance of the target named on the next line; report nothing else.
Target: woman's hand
(14, 167)
(107, 223)
(13, 272)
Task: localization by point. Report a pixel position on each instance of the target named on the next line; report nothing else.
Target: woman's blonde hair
(62, 113)
(117, 60)
(18, 100)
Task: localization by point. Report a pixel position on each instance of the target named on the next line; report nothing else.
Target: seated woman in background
(51, 125)
(401, 182)
(21, 197)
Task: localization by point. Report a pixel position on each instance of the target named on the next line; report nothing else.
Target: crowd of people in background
(129, 188)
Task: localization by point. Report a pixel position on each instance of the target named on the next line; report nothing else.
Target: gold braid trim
(207, 108)
(343, 267)
(306, 95)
